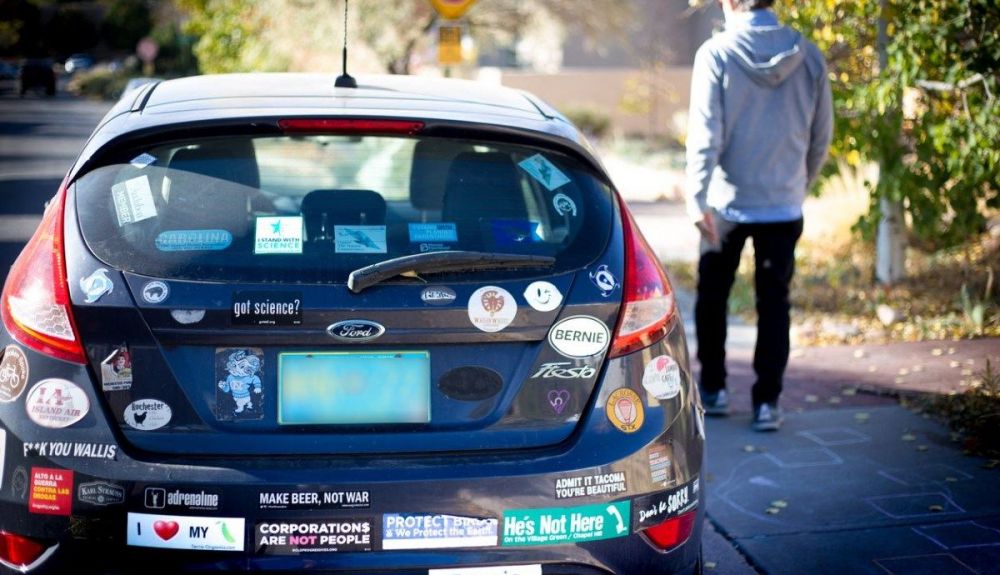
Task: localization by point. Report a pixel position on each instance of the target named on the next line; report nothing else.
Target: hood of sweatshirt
(767, 51)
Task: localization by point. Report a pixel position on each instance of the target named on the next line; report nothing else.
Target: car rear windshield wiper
(438, 262)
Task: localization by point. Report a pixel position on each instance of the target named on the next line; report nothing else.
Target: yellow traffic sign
(449, 45)
(452, 9)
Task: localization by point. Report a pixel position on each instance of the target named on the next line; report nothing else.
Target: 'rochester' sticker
(133, 200)
(557, 525)
(268, 308)
(547, 174)
(193, 240)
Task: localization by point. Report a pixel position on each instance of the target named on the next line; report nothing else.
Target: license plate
(354, 388)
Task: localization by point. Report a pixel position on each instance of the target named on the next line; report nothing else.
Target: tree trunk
(890, 246)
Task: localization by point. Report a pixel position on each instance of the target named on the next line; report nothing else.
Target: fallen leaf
(904, 371)
(812, 398)
(937, 351)
(918, 368)
(872, 368)
(951, 351)
(966, 372)
(779, 503)
(772, 511)
(908, 437)
(859, 353)
(900, 380)
(953, 364)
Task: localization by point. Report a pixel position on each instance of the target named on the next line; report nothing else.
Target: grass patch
(973, 414)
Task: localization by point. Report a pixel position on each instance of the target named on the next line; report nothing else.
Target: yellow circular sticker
(624, 409)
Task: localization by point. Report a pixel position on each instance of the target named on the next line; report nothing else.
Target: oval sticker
(147, 414)
(56, 403)
(13, 374)
(543, 296)
(492, 308)
(625, 411)
(580, 336)
(662, 377)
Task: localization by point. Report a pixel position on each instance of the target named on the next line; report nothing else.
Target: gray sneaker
(766, 417)
(715, 403)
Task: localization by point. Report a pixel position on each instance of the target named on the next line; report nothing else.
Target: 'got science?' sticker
(239, 393)
(193, 240)
(625, 411)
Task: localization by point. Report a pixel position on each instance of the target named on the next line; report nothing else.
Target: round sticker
(492, 308)
(13, 374)
(662, 377)
(604, 280)
(624, 409)
(187, 316)
(147, 414)
(155, 291)
(437, 295)
(56, 403)
(564, 205)
(543, 296)
(580, 336)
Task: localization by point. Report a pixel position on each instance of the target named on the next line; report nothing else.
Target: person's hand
(706, 225)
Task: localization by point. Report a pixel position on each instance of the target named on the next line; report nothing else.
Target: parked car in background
(36, 74)
(78, 63)
(267, 324)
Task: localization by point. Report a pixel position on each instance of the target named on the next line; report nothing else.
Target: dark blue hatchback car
(267, 324)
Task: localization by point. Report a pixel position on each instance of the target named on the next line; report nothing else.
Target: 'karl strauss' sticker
(579, 336)
(662, 377)
(56, 403)
(492, 308)
(13, 374)
(624, 409)
(147, 414)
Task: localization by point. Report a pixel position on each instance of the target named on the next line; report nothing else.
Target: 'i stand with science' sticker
(133, 200)
(278, 235)
(547, 174)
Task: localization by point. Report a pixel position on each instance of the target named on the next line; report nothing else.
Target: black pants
(774, 264)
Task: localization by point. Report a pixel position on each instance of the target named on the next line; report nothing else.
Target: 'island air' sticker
(116, 370)
(514, 233)
(360, 239)
(143, 160)
(439, 232)
(56, 403)
(278, 235)
(239, 393)
(547, 174)
(133, 200)
(193, 240)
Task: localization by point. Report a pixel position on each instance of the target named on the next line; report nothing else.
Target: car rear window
(311, 209)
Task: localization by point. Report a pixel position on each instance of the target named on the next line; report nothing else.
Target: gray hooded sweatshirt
(760, 121)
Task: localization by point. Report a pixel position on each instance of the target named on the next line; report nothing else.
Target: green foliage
(99, 83)
(125, 23)
(593, 122)
(975, 413)
(927, 114)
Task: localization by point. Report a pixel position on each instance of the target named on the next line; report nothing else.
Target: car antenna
(345, 80)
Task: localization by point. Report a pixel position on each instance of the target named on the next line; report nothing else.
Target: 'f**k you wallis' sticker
(492, 308)
(624, 409)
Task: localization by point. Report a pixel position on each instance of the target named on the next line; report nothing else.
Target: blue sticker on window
(193, 240)
(544, 171)
(438, 232)
(513, 233)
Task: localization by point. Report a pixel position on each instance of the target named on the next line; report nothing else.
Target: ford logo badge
(355, 330)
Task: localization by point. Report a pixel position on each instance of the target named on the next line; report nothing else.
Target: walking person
(760, 125)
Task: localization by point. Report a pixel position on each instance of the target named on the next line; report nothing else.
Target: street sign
(449, 45)
(147, 49)
(452, 9)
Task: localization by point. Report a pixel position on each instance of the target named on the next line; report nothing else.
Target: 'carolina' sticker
(547, 174)
(116, 370)
(492, 308)
(133, 200)
(580, 336)
(193, 240)
(360, 239)
(239, 393)
(278, 235)
(13, 376)
(662, 377)
(56, 403)
(624, 409)
(543, 296)
(147, 414)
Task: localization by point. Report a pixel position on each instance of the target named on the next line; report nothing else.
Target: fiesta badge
(624, 409)
(355, 330)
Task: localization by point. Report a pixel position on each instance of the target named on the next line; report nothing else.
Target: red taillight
(17, 551)
(672, 532)
(35, 303)
(648, 305)
(350, 126)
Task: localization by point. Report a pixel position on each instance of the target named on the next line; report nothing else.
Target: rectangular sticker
(239, 392)
(143, 160)
(70, 449)
(417, 531)
(133, 200)
(177, 499)
(3, 454)
(51, 491)
(660, 469)
(505, 570)
(591, 485)
(101, 493)
(557, 525)
(116, 370)
(658, 507)
(193, 240)
(293, 537)
(180, 532)
(267, 308)
(547, 174)
(439, 232)
(319, 499)
(278, 235)
(360, 239)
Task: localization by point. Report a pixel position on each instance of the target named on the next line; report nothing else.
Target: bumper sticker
(564, 205)
(239, 394)
(596, 485)
(662, 377)
(13, 374)
(51, 491)
(415, 531)
(605, 281)
(625, 411)
(56, 403)
(579, 337)
(96, 285)
(177, 499)
(340, 535)
(267, 308)
(311, 500)
(69, 449)
(180, 532)
(505, 570)
(101, 493)
(147, 414)
(492, 308)
(360, 239)
(133, 200)
(116, 370)
(439, 232)
(193, 240)
(660, 469)
(658, 507)
(552, 526)
(543, 296)
(155, 292)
